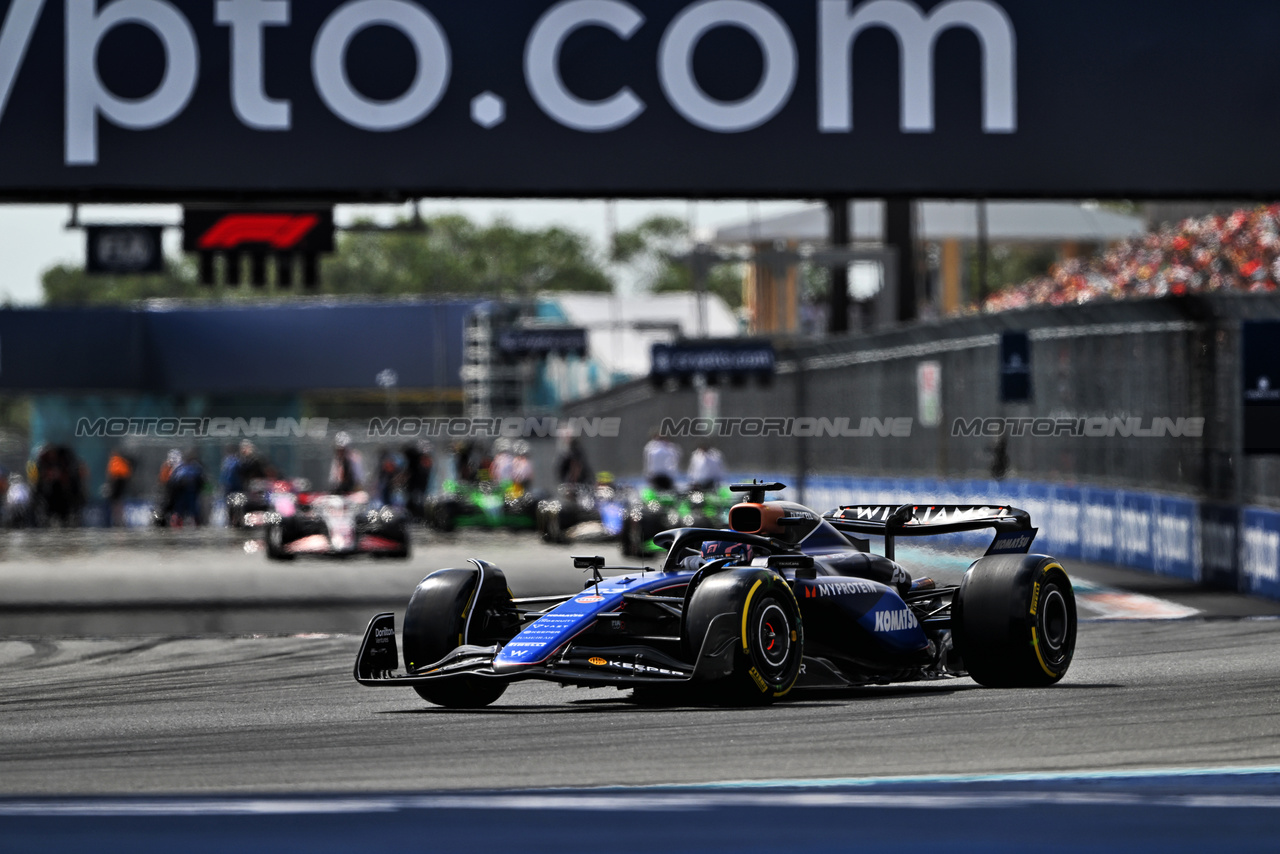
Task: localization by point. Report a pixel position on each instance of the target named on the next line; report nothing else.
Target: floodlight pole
(900, 234)
(983, 241)
(839, 237)
(700, 260)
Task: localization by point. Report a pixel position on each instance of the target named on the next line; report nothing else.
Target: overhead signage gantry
(392, 99)
(384, 100)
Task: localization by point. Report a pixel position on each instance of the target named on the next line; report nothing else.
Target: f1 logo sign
(228, 239)
(207, 230)
(279, 231)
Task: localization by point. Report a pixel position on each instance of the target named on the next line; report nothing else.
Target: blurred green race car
(482, 505)
(653, 511)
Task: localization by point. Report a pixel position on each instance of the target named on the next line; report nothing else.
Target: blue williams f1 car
(785, 598)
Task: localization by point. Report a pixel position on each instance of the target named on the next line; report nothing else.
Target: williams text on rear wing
(1014, 533)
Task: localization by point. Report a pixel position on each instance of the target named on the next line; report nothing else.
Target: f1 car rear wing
(1014, 533)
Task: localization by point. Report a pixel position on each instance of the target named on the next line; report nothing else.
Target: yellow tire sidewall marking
(1035, 641)
(746, 609)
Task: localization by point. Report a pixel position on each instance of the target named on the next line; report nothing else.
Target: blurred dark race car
(651, 511)
(338, 526)
(481, 504)
(253, 507)
(784, 599)
(583, 513)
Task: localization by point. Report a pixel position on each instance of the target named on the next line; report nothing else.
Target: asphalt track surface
(201, 710)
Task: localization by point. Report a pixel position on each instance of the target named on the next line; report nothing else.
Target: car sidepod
(861, 620)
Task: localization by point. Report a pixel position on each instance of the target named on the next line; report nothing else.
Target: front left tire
(768, 636)
(452, 608)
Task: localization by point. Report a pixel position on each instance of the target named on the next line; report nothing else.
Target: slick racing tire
(1014, 621)
(554, 534)
(446, 519)
(446, 611)
(396, 531)
(635, 539)
(765, 632)
(625, 546)
(275, 542)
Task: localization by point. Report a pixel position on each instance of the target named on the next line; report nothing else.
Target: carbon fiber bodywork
(861, 617)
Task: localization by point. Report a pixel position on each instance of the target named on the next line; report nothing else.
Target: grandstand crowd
(1237, 252)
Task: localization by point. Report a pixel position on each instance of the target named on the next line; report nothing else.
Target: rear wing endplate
(1014, 533)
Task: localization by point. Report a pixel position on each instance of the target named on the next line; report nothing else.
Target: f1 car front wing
(378, 662)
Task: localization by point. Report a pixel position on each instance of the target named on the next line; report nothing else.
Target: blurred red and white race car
(254, 507)
(338, 526)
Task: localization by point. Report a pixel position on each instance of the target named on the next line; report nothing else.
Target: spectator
(229, 472)
(251, 465)
(417, 480)
(571, 467)
(500, 465)
(186, 484)
(119, 474)
(390, 469)
(464, 468)
(521, 467)
(706, 467)
(346, 473)
(59, 485)
(168, 495)
(1239, 252)
(661, 462)
(18, 510)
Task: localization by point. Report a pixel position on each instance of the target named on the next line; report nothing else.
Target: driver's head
(716, 549)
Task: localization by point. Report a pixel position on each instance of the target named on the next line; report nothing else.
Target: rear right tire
(1014, 621)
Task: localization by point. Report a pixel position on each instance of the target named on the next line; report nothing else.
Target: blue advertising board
(1136, 514)
(1175, 545)
(1099, 515)
(1220, 546)
(1260, 551)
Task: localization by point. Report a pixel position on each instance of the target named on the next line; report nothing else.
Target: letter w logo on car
(279, 231)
